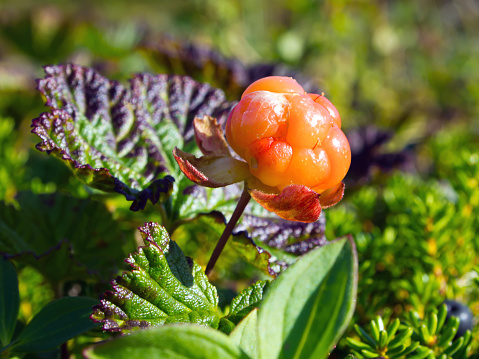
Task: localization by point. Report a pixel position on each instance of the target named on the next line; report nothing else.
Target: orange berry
(336, 146)
(268, 160)
(333, 112)
(289, 137)
(308, 167)
(258, 115)
(278, 84)
(309, 123)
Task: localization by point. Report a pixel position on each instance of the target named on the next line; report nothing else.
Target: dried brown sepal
(211, 171)
(209, 137)
(332, 196)
(294, 203)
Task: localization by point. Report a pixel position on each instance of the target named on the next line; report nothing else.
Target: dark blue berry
(456, 309)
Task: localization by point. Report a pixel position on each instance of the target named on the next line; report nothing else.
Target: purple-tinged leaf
(79, 236)
(206, 64)
(120, 139)
(163, 286)
(366, 154)
(272, 243)
(294, 238)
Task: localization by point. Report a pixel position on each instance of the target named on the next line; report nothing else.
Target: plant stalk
(243, 201)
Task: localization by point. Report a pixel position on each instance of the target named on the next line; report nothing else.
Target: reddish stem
(243, 201)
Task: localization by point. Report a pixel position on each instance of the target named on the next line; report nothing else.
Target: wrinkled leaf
(295, 238)
(245, 335)
(119, 139)
(309, 306)
(163, 286)
(9, 301)
(170, 341)
(56, 323)
(57, 231)
(256, 255)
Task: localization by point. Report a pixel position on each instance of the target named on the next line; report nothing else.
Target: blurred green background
(409, 68)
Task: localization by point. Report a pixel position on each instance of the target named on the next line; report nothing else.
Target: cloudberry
(287, 136)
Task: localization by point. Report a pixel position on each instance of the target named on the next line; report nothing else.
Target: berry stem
(243, 201)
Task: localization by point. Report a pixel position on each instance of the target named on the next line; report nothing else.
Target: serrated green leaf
(309, 306)
(119, 139)
(9, 301)
(56, 323)
(170, 341)
(247, 300)
(163, 286)
(245, 334)
(58, 231)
